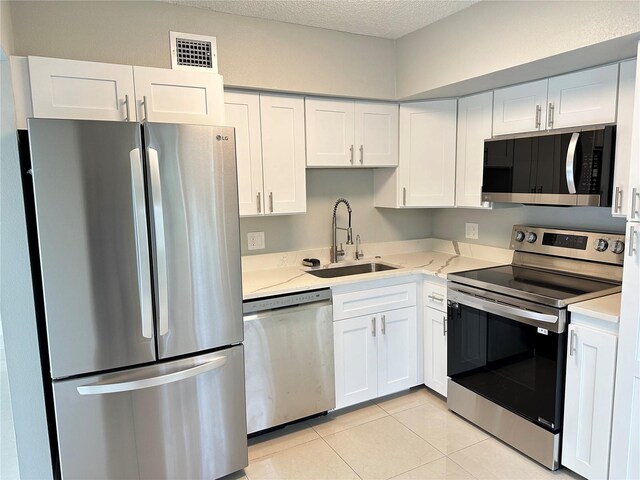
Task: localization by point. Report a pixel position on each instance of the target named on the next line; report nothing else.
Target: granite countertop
(603, 308)
(276, 274)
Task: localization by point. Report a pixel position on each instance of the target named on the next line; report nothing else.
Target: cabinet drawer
(435, 296)
(365, 302)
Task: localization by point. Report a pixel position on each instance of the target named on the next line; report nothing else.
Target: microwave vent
(193, 52)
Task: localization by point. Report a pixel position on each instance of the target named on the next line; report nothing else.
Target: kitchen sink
(351, 270)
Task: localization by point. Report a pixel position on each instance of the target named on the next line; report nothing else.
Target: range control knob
(532, 237)
(519, 235)
(601, 245)
(617, 247)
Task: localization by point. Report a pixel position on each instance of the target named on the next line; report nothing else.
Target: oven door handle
(508, 311)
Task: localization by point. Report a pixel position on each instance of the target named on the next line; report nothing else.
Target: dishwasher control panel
(287, 300)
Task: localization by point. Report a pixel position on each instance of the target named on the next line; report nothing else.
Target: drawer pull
(435, 298)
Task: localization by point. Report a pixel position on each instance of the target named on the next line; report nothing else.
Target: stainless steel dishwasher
(289, 372)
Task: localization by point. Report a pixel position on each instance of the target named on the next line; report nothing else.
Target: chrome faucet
(335, 253)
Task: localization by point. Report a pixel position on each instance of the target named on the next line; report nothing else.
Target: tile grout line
(352, 426)
(340, 456)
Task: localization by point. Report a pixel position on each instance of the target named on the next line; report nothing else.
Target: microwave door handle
(153, 381)
(571, 162)
(160, 244)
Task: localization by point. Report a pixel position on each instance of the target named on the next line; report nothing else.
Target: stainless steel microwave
(570, 168)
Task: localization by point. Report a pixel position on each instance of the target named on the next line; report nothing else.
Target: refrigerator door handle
(161, 255)
(139, 384)
(142, 243)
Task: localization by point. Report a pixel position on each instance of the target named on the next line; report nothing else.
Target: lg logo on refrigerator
(222, 137)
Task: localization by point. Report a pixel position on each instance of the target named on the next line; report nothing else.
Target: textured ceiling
(378, 18)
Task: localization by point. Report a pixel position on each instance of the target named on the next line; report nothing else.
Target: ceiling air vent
(193, 52)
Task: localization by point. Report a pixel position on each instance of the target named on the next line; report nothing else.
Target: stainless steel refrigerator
(138, 246)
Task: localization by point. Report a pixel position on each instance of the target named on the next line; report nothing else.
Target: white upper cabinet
(521, 108)
(81, 90)
(624, 130)
(242, 111)
(330, 133)
(351, 134)
(587, 97)
(376, 134)
(283, 154)
(269, 151)
(103, 91)
(178, 96)
(474, 127)
(425, 176)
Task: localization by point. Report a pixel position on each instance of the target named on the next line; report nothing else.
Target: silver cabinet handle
(142, 243)
(538, 115)
(551, 108)
(361, 154)
(127, 118)
(435, 298)
(144, 108)
(404, 196)
(444, 326)
(259, 202)
(572, 346)
(351, 153)
(634, 202)
(632, 240)
(383, 328)
(373, 326)
(617, 205)
(271, 202)
(132, 385)
(161, 250)
(570, 162)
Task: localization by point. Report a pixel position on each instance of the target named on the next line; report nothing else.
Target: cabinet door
(521, 108)
(397, 350)
(330, 133)
(583, 98)
(435, 350)
(428, 153)
(356, 364)
(376, 134)
(81, 90)
(242, 111)
(283, 157)
(591, 366)
(623, 138)
(179, 96)
(475, 115)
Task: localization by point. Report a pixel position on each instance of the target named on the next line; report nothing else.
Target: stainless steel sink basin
(351, 270)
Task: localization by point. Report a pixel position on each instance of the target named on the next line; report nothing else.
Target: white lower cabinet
(435, 337)
(588, 402)
(375, 353)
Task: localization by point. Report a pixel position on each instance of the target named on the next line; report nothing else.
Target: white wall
(494, 226)
(495, 43)
(255, 53)
(17, 311)
(313, 229)
(6, 28)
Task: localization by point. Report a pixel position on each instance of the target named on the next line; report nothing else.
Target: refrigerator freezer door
(91, 223)
(196, 240)
(181, 419)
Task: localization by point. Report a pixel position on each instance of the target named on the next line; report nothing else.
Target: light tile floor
(408, 436)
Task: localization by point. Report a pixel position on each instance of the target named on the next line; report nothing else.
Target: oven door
(513, 355)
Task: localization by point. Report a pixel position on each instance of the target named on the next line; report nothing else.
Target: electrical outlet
(255, 240)
(471, 230)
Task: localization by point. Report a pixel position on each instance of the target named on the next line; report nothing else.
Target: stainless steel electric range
(507, 333)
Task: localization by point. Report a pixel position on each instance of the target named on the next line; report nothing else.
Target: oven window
(510, 363)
